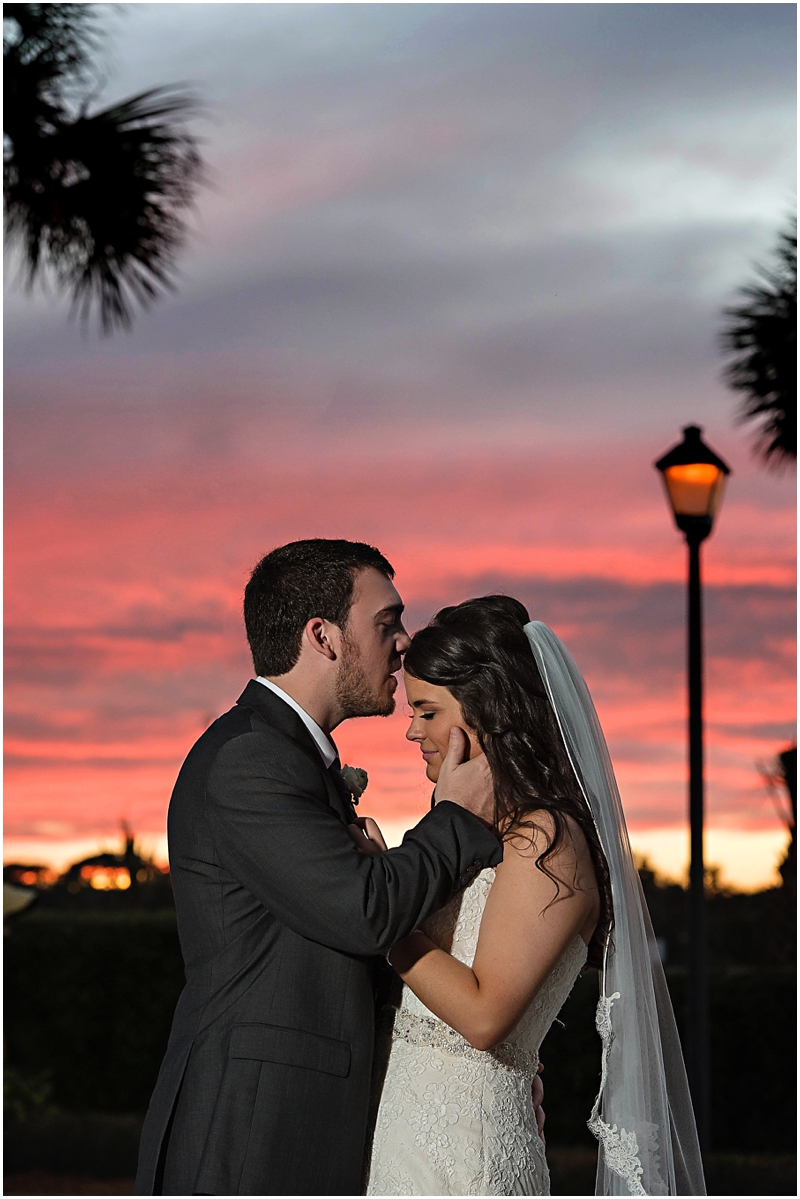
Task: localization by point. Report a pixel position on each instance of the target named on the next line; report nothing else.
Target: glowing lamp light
(694, 478)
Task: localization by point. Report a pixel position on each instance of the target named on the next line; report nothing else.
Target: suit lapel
(271, 708)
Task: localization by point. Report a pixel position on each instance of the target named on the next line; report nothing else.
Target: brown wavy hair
(479, 652)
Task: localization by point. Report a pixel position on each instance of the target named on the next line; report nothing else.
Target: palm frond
(98, 199)
(46, 55)
(762, 337)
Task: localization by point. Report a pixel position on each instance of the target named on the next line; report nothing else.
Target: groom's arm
(275, 832)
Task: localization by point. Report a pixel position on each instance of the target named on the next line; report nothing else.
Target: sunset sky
(455, 282)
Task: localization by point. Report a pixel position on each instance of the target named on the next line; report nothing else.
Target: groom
(264, 1089)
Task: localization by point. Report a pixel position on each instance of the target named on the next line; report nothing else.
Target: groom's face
(372, 641)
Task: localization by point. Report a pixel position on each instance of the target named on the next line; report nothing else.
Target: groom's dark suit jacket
(264, 1089)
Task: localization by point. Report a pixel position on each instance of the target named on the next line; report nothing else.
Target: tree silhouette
(94, 201)
(762, 334)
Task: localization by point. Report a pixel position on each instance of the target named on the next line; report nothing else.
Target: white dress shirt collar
(323, 743)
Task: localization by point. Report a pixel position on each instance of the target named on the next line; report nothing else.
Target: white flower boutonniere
(356, 780)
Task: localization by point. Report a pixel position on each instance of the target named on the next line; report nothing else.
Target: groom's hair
(295, 583)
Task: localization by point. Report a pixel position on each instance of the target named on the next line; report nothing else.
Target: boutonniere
(356, 780)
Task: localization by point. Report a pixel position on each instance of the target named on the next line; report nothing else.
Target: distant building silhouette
(103, 881)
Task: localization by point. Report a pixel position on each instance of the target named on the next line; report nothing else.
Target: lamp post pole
(694, 477)
(697, 996)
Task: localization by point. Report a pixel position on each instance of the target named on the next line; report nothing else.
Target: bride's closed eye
(409, 712)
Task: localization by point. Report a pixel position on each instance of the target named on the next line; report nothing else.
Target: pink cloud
(276, 175)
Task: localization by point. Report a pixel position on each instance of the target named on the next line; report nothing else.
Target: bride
(485, 977)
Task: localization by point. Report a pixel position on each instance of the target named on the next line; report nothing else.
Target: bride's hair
(479, 652)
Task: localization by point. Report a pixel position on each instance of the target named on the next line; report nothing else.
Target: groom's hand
(367, 836)
(467, 783)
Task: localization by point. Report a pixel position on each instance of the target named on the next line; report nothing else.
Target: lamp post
(694, 477)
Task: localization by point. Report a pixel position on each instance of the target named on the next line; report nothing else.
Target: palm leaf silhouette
(762, 334)
(96, 200)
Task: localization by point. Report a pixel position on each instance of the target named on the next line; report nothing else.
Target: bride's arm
(522, 936)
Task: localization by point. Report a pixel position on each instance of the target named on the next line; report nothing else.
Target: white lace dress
(454, 1120)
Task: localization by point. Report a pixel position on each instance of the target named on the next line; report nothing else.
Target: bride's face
(434, 711)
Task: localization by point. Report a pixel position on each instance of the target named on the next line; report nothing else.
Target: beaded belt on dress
(426, 1030)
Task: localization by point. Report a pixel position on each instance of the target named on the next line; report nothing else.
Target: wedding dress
(454, 1120)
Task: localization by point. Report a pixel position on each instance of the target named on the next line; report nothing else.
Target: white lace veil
(643, 1115)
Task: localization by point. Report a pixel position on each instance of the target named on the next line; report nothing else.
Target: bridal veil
(643, 1115)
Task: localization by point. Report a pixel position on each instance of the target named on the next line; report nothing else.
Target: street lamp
(694, 477)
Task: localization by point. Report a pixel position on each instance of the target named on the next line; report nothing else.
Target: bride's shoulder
(539, 832)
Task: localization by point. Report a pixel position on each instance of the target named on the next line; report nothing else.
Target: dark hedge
(89, 1002)
(753, 1038)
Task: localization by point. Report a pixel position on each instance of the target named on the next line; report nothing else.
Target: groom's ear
(323, 637)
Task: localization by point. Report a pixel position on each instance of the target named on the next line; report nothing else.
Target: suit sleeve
(275, 832)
